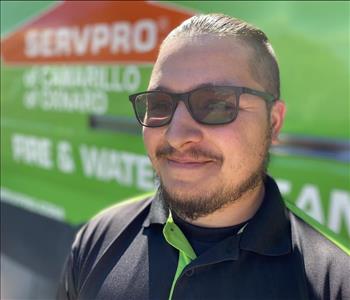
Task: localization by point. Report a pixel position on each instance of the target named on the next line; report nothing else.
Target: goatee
(192, 208)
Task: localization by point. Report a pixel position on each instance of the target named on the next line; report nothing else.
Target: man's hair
(263, 63)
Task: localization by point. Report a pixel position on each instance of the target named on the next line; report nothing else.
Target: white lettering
(284, 186)
(31, 43)
(144, 174)
(80, 41)
(115, 78)
(46, 76)
(131, 78)
(85, 101)
(121, 37)
(100, 38)
(128, 160)
(89, 160)
(46, 46)
(309, 200)
(145, 36)
(32, 204)
(30, 99)
(65, 162)
(32, 150)
(339, 210)
(115, 170)
(118, 37)
(63, 42)
(30, 78)
(125, 168)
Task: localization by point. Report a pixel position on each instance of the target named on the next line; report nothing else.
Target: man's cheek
(149, 144)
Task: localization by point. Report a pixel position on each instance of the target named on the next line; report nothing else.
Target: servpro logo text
(95, 32)
(92, 39)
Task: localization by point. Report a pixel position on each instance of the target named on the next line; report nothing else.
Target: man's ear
(278, 112)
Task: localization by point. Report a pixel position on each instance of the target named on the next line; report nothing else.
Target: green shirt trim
(175, 237)
(317, 226)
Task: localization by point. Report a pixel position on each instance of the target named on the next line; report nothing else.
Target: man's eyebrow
(159, 88)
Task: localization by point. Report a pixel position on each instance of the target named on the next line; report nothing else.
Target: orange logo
(94, 31)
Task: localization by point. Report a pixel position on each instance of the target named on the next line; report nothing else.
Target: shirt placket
(175, 237)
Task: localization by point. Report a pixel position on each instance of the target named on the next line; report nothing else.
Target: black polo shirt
(122, 254)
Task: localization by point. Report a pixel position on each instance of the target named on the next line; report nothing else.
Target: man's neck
(237, 212)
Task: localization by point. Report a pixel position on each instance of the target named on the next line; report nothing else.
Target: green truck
(70, 145)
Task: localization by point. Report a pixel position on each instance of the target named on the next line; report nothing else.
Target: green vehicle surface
(70, 145)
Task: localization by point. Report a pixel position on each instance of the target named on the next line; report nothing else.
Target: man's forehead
(204, 44)
(185, 63)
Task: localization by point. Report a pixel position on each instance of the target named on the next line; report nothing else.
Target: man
(217, 227)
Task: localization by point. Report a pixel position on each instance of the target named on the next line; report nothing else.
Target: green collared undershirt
(175, 237)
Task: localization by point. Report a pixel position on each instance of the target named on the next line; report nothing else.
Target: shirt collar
(159, 211)
(267, 233)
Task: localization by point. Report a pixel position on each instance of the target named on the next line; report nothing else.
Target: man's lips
(187, 162)
(194, 158)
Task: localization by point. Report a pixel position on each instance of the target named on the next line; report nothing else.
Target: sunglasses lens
(208, 105)
(214, 105)
(154, 109)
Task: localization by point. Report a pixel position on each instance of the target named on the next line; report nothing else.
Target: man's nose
(183, 130)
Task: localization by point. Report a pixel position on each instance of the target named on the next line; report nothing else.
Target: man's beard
(194, 207)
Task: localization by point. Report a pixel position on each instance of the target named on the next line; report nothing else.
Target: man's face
(203, 168)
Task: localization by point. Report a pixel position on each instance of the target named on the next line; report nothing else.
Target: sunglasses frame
(185, 97)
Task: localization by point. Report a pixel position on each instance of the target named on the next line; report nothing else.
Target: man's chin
(192, 202)
(186, 204)
(183, 196)
(184, 190)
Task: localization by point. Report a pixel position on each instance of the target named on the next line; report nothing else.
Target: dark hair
(263, 64)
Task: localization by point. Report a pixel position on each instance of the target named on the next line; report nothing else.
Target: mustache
(195, 153)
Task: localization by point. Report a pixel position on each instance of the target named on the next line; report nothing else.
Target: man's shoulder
(306, 237)
(104, 227)
(326, 265)
(99, 234)
(121, 211)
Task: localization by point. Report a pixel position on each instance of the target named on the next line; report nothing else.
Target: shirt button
(189, 272)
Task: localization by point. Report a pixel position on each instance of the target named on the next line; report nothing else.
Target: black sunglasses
(210, 105)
